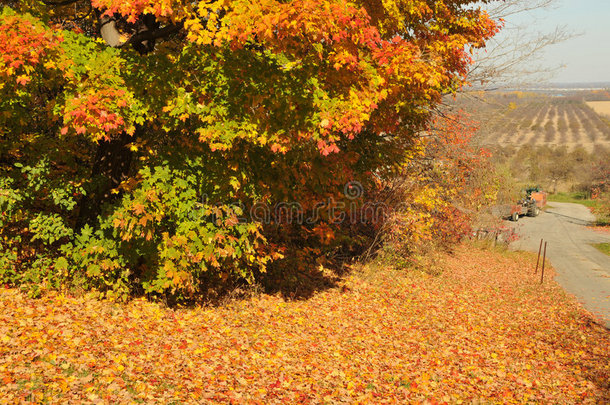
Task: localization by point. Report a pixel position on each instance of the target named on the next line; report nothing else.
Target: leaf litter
(485, 331)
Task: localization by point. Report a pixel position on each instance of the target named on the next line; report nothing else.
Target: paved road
(582, 270)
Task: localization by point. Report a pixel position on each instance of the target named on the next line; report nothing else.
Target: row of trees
(557, 168)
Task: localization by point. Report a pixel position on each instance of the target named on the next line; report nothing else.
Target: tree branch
(143, 40)
(151, 35)
(109, 31)
(59, 3)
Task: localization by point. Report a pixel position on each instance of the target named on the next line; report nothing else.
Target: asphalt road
(582, 269)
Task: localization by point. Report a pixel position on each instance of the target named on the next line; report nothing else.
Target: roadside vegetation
(603, 247)
(577, 197)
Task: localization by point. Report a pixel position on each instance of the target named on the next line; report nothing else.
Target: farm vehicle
(531, 205)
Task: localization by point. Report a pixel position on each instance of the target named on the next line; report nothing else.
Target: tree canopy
(138, 137)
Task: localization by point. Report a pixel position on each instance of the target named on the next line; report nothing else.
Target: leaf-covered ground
(483, 331)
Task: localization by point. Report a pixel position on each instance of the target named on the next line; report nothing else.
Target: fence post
(538, 261)
(543, 263)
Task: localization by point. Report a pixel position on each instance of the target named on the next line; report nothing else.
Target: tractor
(531, 205)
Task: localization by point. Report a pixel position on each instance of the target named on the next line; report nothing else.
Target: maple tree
(131, 129)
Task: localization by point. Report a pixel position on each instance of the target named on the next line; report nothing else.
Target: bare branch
(503, 9)
(510, 58)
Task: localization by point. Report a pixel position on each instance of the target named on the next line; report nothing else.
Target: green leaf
(61, 264)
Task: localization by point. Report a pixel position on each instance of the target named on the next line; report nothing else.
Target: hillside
(537, 119)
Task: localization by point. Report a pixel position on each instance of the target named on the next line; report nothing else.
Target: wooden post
(543, 263)
(538, 261)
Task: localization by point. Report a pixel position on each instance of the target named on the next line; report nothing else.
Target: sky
(584, 58)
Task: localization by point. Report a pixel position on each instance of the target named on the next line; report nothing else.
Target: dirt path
(582, 270)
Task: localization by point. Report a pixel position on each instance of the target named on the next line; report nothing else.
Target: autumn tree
(438, 195)
(138, 136)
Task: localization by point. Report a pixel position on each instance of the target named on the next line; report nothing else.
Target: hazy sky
(586, 57)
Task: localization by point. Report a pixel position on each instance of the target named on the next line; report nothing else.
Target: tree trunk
(111, 165)
(113, 159)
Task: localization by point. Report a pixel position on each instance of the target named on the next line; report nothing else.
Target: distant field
(517, 119)
(600, 107)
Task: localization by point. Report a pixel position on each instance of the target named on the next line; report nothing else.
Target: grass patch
(603, 247)
(575, 198)
(583, 199)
